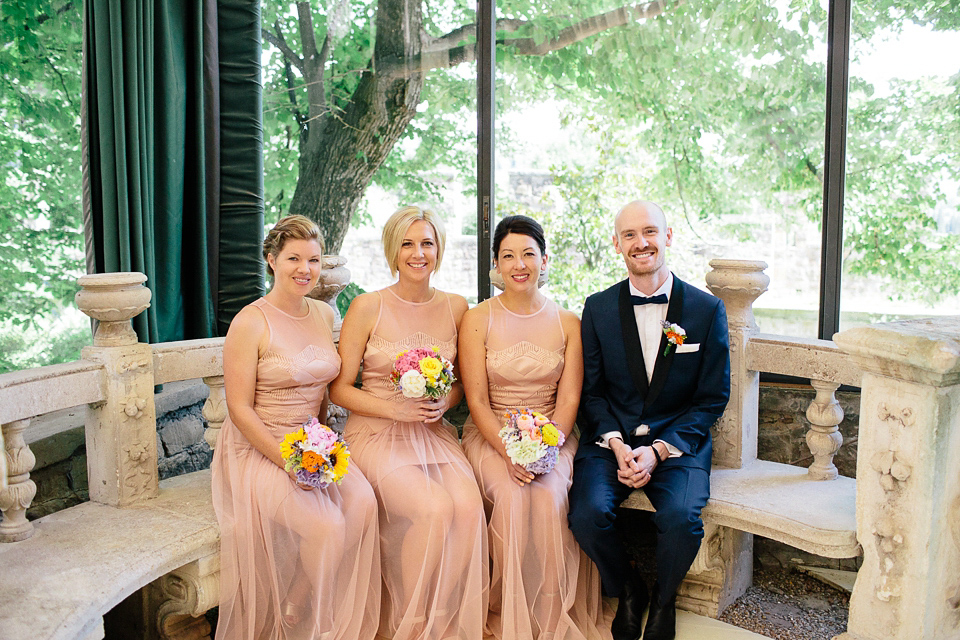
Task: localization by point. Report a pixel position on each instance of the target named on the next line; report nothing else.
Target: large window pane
(715, 110)
(364, 114)
(41, 232)
(902, 208)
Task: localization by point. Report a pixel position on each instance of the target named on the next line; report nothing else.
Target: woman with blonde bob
(432, 538)
(296, 561)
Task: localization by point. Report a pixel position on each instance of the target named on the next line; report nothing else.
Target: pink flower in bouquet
(526, 422)
(321, 439)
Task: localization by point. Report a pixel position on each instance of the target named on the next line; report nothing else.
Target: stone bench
(781, 502)
(61, 573)
(83, 561)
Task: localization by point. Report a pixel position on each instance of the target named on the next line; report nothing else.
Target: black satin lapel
(662, 368)
(631, 340)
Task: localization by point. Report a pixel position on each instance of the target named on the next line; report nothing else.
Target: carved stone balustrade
(121, 430)
(908, 483)
(824, 438)
(723, 568)
(738, 283)
(214, 409)
(16, 496)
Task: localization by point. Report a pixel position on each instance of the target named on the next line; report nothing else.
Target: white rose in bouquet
(413, 384)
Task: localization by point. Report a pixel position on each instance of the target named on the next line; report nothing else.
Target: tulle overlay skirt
(317, 549)
(432, 529)
(543, 587)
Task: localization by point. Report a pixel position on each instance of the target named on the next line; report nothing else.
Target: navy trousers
(678, 493)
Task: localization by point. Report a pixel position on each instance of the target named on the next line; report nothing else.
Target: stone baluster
(334, 278)
(121, 429)
(908, 484)
(738, 283)
(15, 499)
(3, 464)
(824, 438)
(723, 568)
(214, 409)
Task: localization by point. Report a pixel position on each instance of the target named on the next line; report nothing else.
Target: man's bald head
(651, 209)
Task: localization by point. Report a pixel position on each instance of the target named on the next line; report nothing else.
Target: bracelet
(656, 454)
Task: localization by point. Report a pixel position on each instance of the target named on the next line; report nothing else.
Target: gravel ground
(782, 603)
(788, 605)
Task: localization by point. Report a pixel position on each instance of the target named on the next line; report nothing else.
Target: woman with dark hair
(520, 350)
(432, 541)
(296, 561)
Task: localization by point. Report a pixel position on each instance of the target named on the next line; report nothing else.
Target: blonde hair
(397, 226)
(294, 227)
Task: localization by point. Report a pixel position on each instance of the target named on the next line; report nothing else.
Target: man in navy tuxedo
(649, 400)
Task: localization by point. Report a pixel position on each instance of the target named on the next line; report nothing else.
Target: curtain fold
(146, 144)
(241, 268)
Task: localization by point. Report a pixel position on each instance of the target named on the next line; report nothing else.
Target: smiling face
(641, 237)
(296, 269)
(418, 251)
(520, 261)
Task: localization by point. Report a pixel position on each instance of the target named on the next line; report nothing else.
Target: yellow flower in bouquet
(431, 367)
(340, 456)
(288, 447)
(550, 435)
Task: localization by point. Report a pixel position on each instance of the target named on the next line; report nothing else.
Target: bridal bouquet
(422, 372)
(317, 454)
(531, 440)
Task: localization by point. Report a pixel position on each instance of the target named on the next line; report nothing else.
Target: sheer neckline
(522, 315)
(291, 316)
(405, 301)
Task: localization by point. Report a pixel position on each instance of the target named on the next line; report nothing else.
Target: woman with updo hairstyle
(520, 350)
(296, 561)
(432, 529)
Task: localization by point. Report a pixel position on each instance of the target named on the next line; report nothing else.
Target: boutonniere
(675, 335)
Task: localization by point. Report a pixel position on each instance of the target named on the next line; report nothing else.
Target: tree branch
(438, 57)
(452, 39)
(280, 43)
(307, 36)
(63, 84)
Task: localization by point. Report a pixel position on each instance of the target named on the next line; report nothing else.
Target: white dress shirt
(649, 318)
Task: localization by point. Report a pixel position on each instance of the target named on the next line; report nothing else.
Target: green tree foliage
(41, 238)
(724, 102)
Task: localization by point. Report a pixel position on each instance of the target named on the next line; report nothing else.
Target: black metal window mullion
(486, 70)
(831, 248)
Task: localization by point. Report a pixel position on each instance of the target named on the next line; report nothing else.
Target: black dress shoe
(662, 621)
(628, 623)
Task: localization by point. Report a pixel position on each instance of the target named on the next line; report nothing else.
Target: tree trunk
(342, 150)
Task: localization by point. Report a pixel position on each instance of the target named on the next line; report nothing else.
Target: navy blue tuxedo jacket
(688, 391)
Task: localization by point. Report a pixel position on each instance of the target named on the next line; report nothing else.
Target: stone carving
(824, 438)
(132, 407)
(15, 499)
(888, 538)
(712, 582)
(891, 468)
(738, 283)
(187, 594)
(334, 278)
(113, 298)
(214, 409)
(953, 518)
(905, 416)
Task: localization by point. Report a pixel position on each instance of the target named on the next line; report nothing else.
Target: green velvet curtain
(152, 161)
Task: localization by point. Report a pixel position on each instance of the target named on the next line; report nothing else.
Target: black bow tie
(658, 299)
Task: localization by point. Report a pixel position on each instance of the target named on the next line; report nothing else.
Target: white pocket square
(688, 348)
